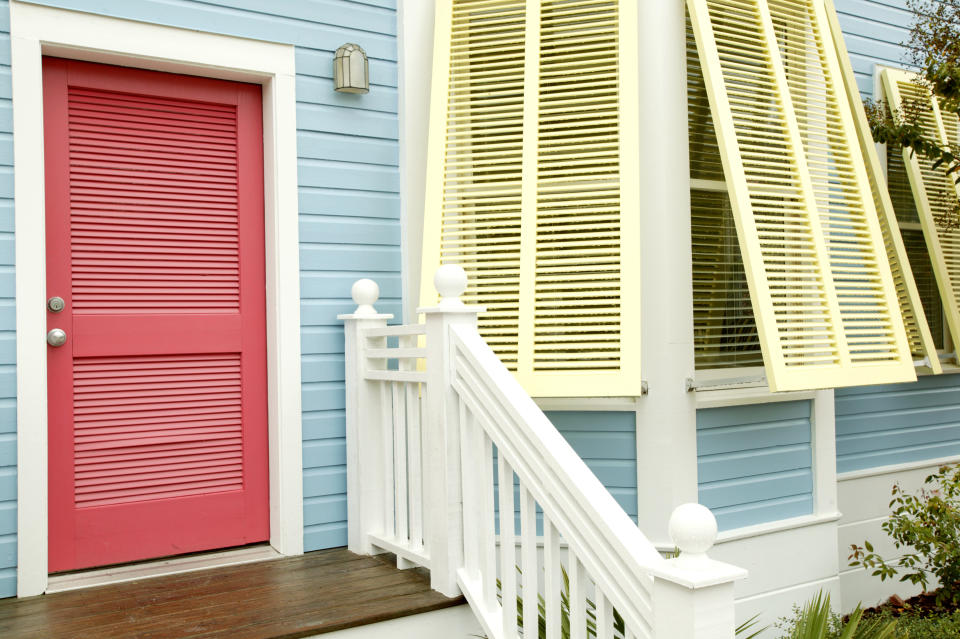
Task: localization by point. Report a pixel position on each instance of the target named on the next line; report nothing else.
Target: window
(927, 205)
(825, 303)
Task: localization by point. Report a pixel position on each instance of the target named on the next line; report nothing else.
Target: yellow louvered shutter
(935, 192)
(530, 186)
(922, 344)
(823, 294)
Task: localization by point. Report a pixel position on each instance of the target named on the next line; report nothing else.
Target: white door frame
(37, 31)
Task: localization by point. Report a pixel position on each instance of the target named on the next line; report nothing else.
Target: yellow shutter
(822, 291)
(935, 192)
(911, 309)
(533, 131)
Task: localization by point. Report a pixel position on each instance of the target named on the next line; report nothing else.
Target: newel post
(365, 426)
(441, 432)
(693, 594)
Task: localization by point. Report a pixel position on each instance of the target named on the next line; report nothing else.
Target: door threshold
(160, 567)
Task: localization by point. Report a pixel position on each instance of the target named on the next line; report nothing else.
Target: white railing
(452, 466)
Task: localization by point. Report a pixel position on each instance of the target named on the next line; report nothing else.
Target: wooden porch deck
(316, 593)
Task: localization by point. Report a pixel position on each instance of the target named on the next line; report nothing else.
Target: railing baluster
(400, 465)
(528, 558)
(508, 558)
(389, 521)
(487, 527)
(578, 598)
(604, 613)
(552, 574)
(414, 451)
(469, 466)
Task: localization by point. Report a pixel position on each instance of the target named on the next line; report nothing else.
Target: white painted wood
(604, 614)
(384, 436)
(441, 436)
(803, 555)
(413, 377)
(578, 598)
(415, 36)
(473, 404)
(552, 579)
(458, 622)
(863, 498)
(529, 561)
(666, 415)
(508, 554)
(400, 470)
(364, 498)
(160, 568)
(488, 540)
(37, 30)
(824, 448)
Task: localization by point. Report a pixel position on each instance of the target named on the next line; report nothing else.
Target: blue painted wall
(607, 442)
(754, 462)
(8, 380)
(898, 423)
(349, 215)
(873, 31)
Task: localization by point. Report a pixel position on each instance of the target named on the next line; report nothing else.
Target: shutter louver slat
(532, 100)
(822, 293)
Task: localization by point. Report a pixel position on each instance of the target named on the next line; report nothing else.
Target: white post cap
(693, 529)
(450, 281)
(365, 293)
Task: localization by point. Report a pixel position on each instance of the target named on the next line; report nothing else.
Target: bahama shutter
(531, 188)
(823, 294)
(935, 192)
(922, 346)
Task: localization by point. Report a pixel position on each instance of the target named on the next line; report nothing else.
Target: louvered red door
(157, 400)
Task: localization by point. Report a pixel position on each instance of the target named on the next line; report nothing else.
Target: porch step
(303, 596)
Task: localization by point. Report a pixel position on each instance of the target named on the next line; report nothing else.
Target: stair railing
(502, 509)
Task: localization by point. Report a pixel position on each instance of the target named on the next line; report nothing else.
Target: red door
(154, 228)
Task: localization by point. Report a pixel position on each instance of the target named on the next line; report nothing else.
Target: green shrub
(816, 621)
(946, 627)
(927, 527)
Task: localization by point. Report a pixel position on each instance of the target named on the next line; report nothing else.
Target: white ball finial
(693, 529)
(365, 293)
(450, 281)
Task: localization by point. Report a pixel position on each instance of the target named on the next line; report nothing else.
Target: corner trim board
(36, 31)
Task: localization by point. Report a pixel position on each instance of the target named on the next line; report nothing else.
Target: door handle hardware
(55, 304)
(57, 337)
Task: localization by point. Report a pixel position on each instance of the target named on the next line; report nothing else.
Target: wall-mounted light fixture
(351, 71)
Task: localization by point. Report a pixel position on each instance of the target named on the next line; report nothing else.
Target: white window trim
(37, 31)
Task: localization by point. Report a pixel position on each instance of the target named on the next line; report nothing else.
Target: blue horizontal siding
(8, 345)
(873, 31)
(607, 442)
(754, 462)
(349, 181)
(898, 423)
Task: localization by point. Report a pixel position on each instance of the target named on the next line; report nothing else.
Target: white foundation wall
(457, 622)
(864, 497)
(787, 567)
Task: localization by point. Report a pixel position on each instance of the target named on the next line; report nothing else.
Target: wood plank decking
(284, 598)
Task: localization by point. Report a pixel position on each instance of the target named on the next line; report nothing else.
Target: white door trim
(37, 31)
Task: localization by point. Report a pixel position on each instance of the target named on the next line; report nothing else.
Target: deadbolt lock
(55, 304)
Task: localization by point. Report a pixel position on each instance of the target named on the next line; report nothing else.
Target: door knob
(57, 337)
